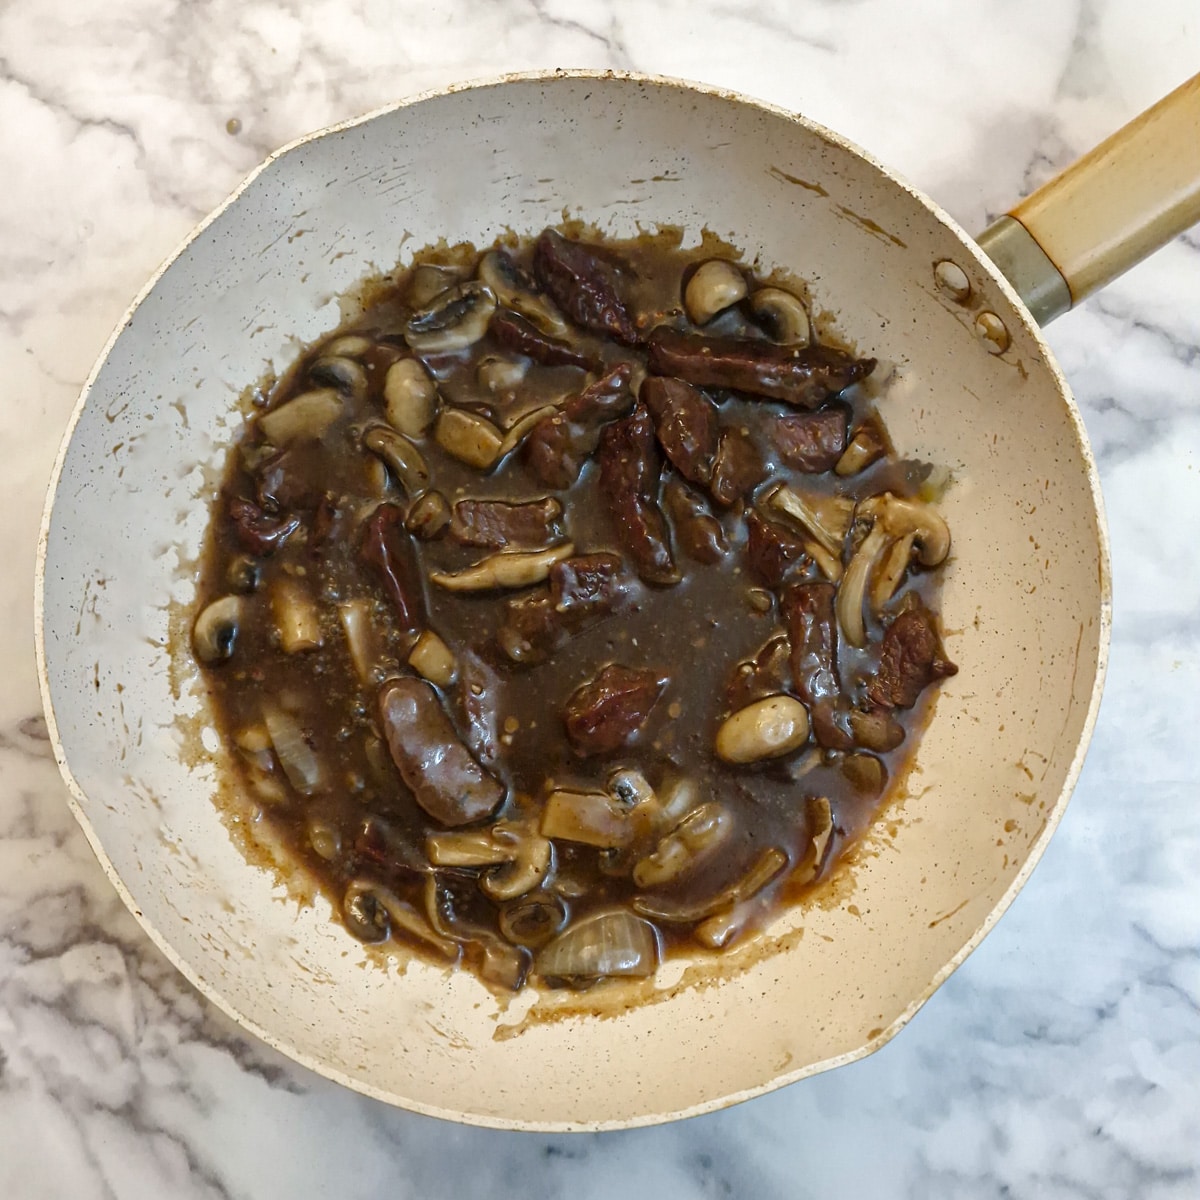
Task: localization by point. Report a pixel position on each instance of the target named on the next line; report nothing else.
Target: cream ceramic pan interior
(1025, 604)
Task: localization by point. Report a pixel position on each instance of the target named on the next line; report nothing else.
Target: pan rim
(76, 797)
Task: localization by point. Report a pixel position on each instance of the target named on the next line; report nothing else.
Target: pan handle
(1105, 213)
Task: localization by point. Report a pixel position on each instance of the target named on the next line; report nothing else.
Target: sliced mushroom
(854, 585)
(500, 374)
(214, 635)
(498, 962)
(820, 820)
(297, 620)
(469, 438)
(829, 564)
(825, 518)
(782, 315)
(903, 516)
(865, 447)
(364, 914)
(433, 659)
(243, 574)
(342, 374)
(714, 286)
(428, 516)
(403, 459)
(516, 290)
(893, 518)
(891, 571)
(519, 858)
(590, 818)
(532, 920)
(508, 569)
(696, 837)
(426, 281)
(350, 345)
(768, 728)
(410, 397)
(324, 838)
(469, 847)
(521, 429)
(373, 913)
(525, 871)
(865, 772)
(454, 320)
(768, 866)
(875, 730)
(308, 416)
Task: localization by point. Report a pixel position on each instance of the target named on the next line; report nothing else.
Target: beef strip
(606, 712)
(685, 421)
(257, 532)
(558, 446)
(804, 376)
(629, 478)
(910, 659)
(808, 609)
(514, 332)
(766, 674)
(737, 469)
(388, 549)
(697, 531)
(443, 776)
(810, 442)
(494, 524)
(773, 553)
(584, 284)
(581, 592)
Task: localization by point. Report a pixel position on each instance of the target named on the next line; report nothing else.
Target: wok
(972, 386)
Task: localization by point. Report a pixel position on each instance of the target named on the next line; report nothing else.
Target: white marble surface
(1063, 1060)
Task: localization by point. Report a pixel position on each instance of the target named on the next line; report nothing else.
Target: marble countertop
(1062, 1060)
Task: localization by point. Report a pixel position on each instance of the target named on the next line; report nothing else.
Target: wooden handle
(1129, 196)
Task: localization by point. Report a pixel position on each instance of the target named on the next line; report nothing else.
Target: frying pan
(970, 384)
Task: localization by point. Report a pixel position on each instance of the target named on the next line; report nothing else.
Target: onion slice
(612, 942)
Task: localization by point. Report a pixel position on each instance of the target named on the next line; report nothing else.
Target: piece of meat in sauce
(630, 468)
(685, 422)
(581, 591)
(809, 611)
(697, 532)
(810, 442)
(606, 713)
(804, 376)
(257, 531)
(585, 284)
(444, 777)
(558, 446)
(738, 467)
(387, 548)
(773, 553)
(514, 332)
(494, 524)
(768, 673)
(910, 659)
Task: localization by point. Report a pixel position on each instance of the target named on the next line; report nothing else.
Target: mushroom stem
(854, 584)
(508, 569)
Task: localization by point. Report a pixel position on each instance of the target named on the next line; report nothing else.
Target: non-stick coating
(1026, 599)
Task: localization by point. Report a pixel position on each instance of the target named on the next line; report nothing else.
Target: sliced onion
(356, 622)
(295, 755)
(614, 942)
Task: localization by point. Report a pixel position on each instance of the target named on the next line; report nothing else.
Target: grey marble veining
(1063, 1060)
